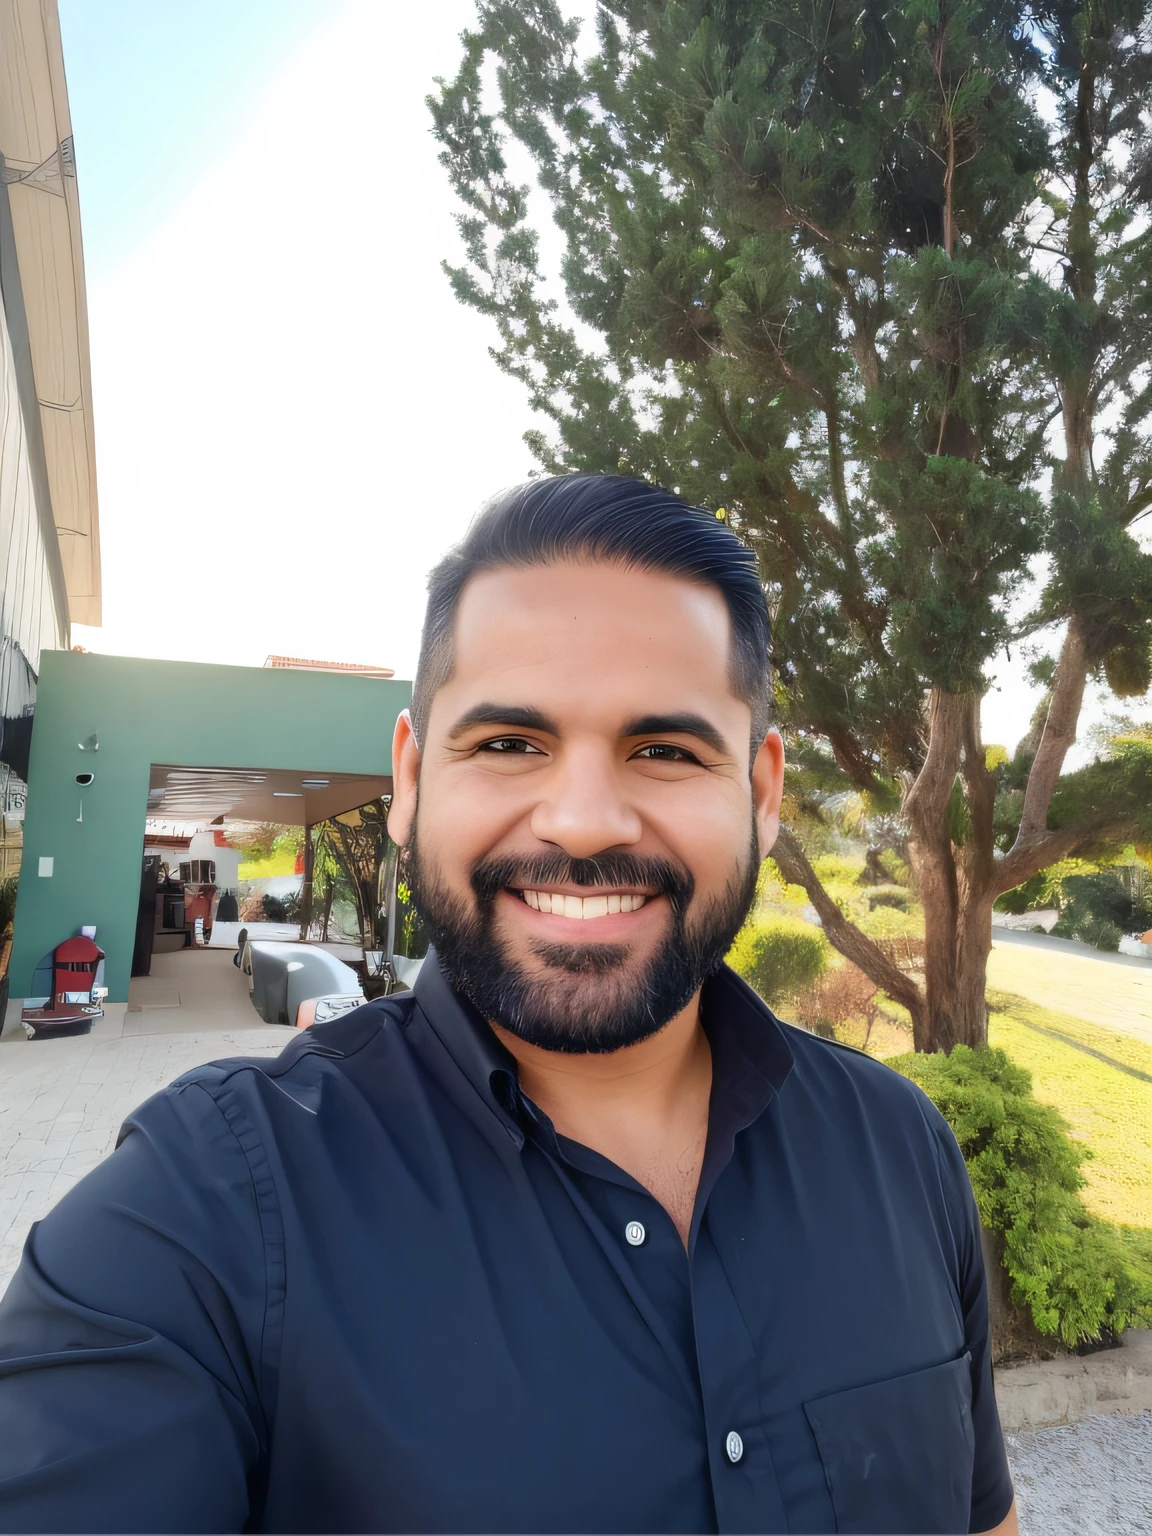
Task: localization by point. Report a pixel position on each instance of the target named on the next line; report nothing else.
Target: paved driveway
(1111, 990)
(63, 1101)
(1088, 1479)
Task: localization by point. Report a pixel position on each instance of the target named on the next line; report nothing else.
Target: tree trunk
(957, 945)
(306, 888)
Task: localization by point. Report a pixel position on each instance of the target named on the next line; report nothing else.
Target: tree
(356, 842)
(835, 272)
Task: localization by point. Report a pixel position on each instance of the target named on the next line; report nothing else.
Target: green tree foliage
(1077, 1275)
(832, 273)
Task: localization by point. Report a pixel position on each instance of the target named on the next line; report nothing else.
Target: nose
(583, 808)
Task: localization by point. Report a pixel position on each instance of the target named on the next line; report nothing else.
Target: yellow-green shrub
(779, 956)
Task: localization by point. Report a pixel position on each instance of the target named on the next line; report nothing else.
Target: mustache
(501, 872)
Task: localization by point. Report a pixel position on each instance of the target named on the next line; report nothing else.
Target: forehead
(575, 629)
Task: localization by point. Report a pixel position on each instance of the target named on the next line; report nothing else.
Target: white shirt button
(635, 1234)
(734, 1446)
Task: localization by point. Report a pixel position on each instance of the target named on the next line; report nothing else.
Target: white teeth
(585, 907)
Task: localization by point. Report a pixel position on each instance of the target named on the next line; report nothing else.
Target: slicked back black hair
(621, 522)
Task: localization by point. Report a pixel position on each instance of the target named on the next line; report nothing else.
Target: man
(577, 1236)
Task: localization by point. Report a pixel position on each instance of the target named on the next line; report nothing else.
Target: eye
(506, 745)
(665, 752)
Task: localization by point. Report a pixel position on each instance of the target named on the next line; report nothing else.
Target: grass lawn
(1101, 1082)
(1099, 1078)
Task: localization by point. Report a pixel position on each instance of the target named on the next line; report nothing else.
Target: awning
(40, 172)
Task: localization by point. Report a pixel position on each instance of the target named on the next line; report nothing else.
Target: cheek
(465, 815)
(709, 832)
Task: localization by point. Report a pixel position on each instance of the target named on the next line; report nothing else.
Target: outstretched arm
(130, 1396)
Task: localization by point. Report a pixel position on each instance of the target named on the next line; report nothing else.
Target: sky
(294, 417)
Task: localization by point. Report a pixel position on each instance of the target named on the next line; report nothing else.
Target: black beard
(594, 1001)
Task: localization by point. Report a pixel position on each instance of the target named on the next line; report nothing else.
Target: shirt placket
(723, 1378)
(745, 1490)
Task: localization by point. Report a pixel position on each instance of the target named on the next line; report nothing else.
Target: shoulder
(219, 1090)
(844, 1069)
(865, 1090)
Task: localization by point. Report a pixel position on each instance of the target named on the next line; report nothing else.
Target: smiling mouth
(583, 907)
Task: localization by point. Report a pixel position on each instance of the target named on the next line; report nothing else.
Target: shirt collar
(466, 1036)
(751, 1057)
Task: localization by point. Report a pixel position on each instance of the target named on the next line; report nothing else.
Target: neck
(653, 1074)
(645, 1107)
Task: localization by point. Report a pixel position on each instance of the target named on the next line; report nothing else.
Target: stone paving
(63, 1101)
(1088, 1479)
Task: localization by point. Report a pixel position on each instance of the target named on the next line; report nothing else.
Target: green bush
(884, 923)
(1097, 909)
(1090, 930)
(1079, 1277)
(897, 896)
(779, 956)
(7, 903)
(835, 869)
(1096, 906)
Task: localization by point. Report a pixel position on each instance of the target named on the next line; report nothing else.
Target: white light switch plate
(46, 866)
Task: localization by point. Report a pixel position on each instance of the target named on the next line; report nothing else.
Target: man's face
(588, 833)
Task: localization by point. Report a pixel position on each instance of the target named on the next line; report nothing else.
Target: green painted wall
(147, 712)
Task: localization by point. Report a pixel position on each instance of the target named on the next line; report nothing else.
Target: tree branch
(792, 862)
(1059, 734)
(1022, 863)
(926, 804)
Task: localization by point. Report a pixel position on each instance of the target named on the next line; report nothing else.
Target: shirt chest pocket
(898, 1454)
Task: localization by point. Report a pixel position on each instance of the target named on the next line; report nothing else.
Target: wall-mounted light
(84, 779)
(90, 743)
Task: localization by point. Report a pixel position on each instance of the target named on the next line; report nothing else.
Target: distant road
(1114, 991)
(1049, 942)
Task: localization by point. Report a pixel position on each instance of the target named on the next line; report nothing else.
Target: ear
(768, 790)
(405, 777)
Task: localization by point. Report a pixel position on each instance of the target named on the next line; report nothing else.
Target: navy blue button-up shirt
(365, 1286)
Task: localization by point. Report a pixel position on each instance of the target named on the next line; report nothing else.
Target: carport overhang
(289, 797)
(281, 726)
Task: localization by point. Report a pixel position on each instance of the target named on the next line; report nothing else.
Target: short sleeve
(130, 1337)
(991, 1478)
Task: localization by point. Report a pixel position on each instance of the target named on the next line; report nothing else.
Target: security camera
(85, 778)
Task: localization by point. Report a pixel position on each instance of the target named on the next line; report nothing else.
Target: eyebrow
(504, 714)
(529, 719)
(678, 725)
